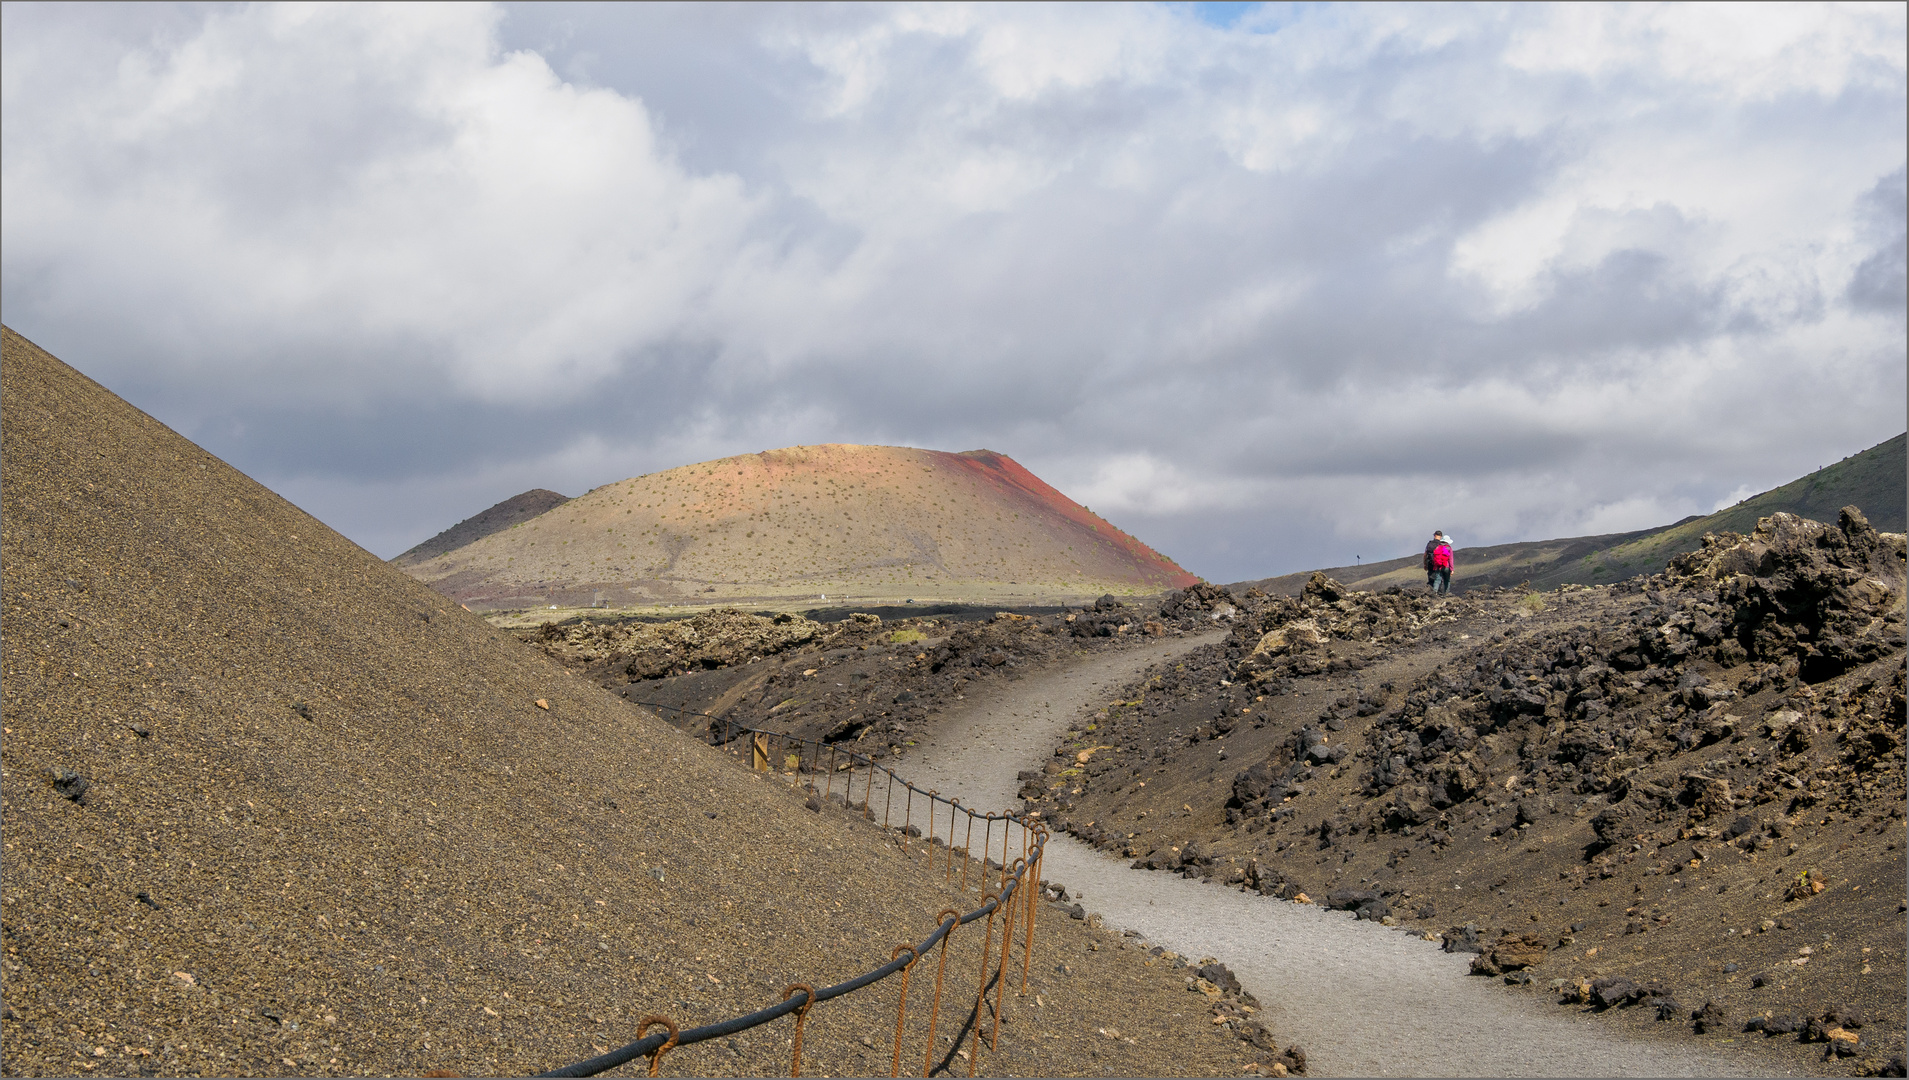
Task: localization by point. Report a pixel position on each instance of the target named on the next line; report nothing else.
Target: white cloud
(1627, 515)
(522, 232)
(1742, 492)
(1144, 484)
(1328, 275)
(1743, 51)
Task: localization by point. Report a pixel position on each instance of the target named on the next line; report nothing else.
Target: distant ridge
(496, 519)
(817, 519)
(1876, 481)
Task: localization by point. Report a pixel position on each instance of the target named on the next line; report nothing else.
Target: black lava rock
(70, 784)
(1708, 1019)
(1463, 939)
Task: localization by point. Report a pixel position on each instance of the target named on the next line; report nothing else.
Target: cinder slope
(517, 508)
(817, 516)
(337, 795)
(329, 831)
(1877, 480)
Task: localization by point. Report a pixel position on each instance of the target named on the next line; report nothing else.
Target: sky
(1269, 286)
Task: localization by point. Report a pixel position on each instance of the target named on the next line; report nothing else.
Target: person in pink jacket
(1438, 564)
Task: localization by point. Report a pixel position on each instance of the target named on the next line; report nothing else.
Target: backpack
(1442, 557)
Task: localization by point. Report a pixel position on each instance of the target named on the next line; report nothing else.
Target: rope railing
(1002, 895)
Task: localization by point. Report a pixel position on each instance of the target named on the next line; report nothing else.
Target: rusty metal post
(801, 1014)
(934, 1014)
(981, 992)
(928, 842)
(947, 874)
(952, 808)
(987, 845)
(828, 783)
(1007, 945)
(981, 875)
(1033, 906)
(901, 1008)
(967, 852)
(908, 811)
(889, 802)
(1007, 869)
(656, 1056)
(1007, 840)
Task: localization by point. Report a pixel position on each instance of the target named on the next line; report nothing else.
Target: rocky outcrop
(653, 650)
(1795, 591)
(1797, 601)
(1296, 637)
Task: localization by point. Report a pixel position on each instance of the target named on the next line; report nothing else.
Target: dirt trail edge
(1363, 999)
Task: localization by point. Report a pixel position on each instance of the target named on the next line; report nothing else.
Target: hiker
(1438, 564)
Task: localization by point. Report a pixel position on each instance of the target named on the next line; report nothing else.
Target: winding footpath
(1364, 1000)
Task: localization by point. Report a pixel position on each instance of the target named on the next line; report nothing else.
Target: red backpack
(1442, 557)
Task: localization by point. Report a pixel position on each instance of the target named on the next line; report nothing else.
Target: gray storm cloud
(1269, 295)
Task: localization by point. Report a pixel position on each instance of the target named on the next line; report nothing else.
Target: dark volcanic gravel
(270, 807)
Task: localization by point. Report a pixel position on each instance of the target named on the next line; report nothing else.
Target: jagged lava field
(1675, 801)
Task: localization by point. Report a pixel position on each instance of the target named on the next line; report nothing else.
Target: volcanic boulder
(653, 650)
(1510, 953)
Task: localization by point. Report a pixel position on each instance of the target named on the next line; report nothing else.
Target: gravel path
(1364, 1000)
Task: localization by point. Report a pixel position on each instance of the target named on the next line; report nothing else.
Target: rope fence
(999, 882)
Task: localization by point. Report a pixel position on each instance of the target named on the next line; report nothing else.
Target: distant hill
(817, 519)
(515, 509)
(1876, 480)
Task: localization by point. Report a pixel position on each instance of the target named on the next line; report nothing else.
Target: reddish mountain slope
(814, 518)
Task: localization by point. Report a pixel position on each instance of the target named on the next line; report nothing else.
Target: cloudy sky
(1270, 286)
